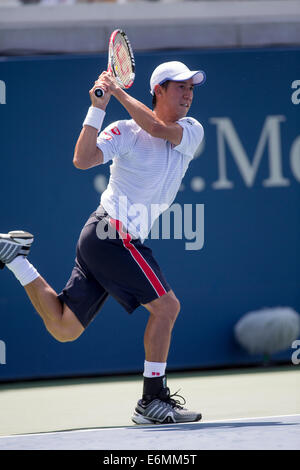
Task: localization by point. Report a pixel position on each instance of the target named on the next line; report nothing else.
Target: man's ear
(158, 90)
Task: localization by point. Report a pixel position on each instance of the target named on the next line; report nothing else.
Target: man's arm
(142, 115)
(86, 153)
(147, 120)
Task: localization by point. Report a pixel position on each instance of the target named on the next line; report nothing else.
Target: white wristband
(94, 117)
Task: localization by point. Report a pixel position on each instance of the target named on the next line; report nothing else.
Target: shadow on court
(203, 426)
(178, 427)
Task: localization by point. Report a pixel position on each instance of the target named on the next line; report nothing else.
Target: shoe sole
(140, 419)
(21, 237)
(137, 418)
(17, 236)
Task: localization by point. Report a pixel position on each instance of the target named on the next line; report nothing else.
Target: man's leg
(157, 405)
(59, 320)
(157, 338)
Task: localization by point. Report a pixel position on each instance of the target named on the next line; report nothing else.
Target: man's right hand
(100, 102)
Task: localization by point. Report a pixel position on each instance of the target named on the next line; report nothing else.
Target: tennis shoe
(164, 410)
(14, 243)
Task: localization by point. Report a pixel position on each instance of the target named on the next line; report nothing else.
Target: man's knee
(173, 305)
(70, 327)
(66, 335)
(167, 306)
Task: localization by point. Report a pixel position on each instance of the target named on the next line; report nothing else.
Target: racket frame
(111, 66)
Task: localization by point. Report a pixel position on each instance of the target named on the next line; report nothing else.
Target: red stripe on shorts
(147, 270)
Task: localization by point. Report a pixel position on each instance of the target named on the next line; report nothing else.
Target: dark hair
(163, 85)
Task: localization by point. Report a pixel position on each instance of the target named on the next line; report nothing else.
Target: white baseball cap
(175, 71)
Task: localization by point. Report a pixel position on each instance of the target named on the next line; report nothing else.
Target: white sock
(154, 369)
(23, 270)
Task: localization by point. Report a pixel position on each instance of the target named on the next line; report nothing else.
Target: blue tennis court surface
(268, 433)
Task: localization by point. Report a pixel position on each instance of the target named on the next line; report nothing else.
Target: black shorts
(118, 265)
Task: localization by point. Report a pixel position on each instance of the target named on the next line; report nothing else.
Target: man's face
(178, 97)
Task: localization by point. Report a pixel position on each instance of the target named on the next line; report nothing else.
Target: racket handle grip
(99, 93)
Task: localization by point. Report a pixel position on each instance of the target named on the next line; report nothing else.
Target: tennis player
(150, 154)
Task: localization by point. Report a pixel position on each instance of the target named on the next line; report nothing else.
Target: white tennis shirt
(146, 172)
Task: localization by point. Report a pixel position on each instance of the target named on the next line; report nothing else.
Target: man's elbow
(86, 163)
(78, 164)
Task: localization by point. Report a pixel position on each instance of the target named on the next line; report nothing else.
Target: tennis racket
(120, 61)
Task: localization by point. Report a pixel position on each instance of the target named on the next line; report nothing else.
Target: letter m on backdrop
(2, 352)
(2, 92)
(269, 138)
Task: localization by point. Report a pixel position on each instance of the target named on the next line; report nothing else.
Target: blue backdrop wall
(247, 175)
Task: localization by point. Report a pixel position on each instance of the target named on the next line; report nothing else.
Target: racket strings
(122, 61)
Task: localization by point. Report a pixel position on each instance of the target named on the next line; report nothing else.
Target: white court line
(228, 420)
(255, 417)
